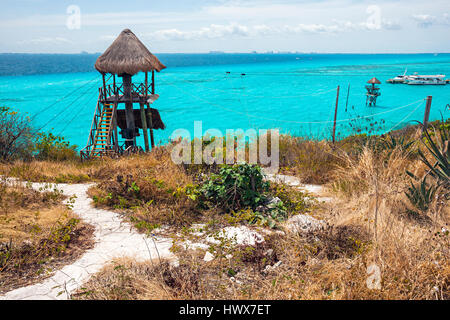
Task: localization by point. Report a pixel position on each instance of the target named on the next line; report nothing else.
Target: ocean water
(295, 93)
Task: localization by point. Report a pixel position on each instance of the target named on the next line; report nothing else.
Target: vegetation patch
(37, 234)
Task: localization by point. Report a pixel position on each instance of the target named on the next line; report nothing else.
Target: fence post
(427, 113)
(335, 115)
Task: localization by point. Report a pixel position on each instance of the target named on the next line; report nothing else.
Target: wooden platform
(122, 99)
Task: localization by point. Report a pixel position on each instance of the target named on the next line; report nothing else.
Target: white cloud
(49, 40)
(212, 32)
(427, 20)
(216, 31)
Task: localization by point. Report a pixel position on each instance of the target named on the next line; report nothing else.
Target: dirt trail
(113, 239)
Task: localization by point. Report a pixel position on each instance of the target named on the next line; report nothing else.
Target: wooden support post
(116, 134)
(427, 113)
(146, 85)
(129, 106)
(153, 81)
(335, 115)
(104, 86)
(152, 138)
(150, 125)
(144, 126)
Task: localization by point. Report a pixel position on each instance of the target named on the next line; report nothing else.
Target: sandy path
(113, 239)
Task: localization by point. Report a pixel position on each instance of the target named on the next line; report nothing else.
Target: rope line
(256, 96)
(61, 99)
(64, 109)
(289, 121)
(398, 123)
(75, 116)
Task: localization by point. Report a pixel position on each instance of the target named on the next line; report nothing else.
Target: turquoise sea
(293, 92)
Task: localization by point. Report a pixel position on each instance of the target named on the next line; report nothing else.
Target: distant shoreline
(274, 53)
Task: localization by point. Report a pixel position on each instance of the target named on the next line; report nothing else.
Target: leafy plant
(421, 195)
(440, 150)
(276, 212)
(16, 135)
(393, 143)
(236, 187)
(51, 147)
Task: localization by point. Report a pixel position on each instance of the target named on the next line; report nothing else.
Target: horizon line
(223, 52)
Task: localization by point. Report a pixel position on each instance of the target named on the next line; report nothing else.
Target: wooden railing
(111, 90)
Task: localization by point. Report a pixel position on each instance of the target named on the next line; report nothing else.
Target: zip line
(65, 107)
(61, 99)
(291, 121)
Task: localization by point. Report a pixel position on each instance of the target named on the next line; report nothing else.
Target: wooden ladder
(103, 134)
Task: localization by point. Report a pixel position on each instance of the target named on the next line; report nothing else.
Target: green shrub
(51, 147)
(421, 196)
(236, 187)
(16, 135)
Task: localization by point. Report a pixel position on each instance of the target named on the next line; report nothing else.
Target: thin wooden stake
(348, 93)
(427, 113)
(153, 81)
(335, 115)
(104, 86)
(144, 126)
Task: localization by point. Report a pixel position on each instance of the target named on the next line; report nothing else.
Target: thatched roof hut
(127, 55)
(374, 81)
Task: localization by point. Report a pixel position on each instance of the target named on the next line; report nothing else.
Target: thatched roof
(374, 81)
(156, 119)
(127, 55)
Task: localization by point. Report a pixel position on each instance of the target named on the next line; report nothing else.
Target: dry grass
(150, 189)
(37, 234)
(311, 161)
(369, 225)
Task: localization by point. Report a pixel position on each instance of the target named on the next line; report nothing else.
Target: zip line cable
(412, 112)
(79, 111)
(289, 121)
(64, 109)
(257, 96)
(75, 116)
(59, 100)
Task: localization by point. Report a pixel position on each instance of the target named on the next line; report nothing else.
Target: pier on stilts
(373, 92)
(124, 58)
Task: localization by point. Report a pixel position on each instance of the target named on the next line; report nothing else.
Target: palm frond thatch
(127, 55)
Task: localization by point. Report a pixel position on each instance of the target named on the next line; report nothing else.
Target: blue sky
(43, 26)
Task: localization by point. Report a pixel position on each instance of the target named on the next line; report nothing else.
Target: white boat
(426, 80)
(399, 78)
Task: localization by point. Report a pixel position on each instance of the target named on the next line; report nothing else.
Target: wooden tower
(373, 92)
(126, 57)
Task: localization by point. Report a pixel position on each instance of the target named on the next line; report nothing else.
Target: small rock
(238, 235)
(271, 268)
(208, 256)
(274, 200)
(303, 223)
(268, 252)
